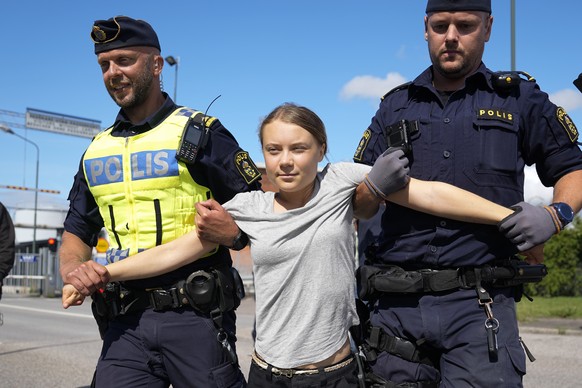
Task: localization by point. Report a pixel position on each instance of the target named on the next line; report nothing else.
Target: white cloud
(568, 99)
(370, 87)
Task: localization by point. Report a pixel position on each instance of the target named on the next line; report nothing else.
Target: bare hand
(88, 277)
(71, 297)
(214, 224)
(534, 255)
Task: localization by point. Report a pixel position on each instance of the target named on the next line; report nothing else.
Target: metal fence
(34, 274)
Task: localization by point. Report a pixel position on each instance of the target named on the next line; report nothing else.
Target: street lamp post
(174, 61)
(11, 132)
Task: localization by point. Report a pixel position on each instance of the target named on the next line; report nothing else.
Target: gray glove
(389, 173)
(528, 226)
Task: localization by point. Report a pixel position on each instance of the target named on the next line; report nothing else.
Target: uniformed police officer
(141, 179)
(476, 129)
(7, 238)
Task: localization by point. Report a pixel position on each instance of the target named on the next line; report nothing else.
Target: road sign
(59, 123)
(102, 245)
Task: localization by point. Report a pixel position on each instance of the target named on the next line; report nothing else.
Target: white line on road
(4, 305)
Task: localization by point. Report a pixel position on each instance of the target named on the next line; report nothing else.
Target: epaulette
(396, 89)
(505, 80)
(197, 116)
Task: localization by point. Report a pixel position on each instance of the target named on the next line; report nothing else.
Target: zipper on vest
(112, 217)
(158, 212)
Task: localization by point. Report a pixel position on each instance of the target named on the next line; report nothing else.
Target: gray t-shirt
(303, 262)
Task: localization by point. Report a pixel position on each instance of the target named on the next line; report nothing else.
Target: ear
(322, 150)
(488, 27)
(426, 28)
(158, 65)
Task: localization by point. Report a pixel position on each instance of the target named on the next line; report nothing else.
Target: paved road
(42, 345)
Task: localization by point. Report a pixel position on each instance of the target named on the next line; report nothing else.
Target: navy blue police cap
(458, 5)
(122, 31)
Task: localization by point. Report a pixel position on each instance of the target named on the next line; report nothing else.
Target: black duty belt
(202, 290)
(373, 280)
(160, 298)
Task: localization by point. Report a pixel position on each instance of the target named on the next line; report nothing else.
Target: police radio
(398, 135)
(194, 138)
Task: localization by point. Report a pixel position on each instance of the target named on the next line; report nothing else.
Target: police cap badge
(122, 31)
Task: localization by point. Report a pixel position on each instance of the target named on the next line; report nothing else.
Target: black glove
(528, 226)
(389, 173)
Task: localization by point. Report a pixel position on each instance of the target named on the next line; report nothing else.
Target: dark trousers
(155, 349)
(345, 377)
(453, 325)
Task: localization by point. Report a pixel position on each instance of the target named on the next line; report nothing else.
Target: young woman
(302, 247)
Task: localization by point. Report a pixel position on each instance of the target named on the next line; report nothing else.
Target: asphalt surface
(43, 345)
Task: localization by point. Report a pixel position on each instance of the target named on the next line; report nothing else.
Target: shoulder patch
(567, 124)
(398, 88)
(362, 145)
(246, 167)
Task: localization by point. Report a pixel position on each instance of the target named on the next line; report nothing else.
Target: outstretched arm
(445, 200)
(161, 259)
(151, 262)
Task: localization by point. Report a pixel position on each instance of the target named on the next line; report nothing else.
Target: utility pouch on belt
(394, 279)
(239, 287)
(210, 290)
(201, 290)
(106, 306)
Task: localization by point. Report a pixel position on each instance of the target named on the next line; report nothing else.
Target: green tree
(563, 257)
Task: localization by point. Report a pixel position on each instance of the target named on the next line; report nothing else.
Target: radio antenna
(207, 108)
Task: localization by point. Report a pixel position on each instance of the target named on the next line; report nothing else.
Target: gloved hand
(528, 226)
(389, 173)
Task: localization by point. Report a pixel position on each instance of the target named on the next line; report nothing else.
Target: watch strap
(240, 241)
(555, 218)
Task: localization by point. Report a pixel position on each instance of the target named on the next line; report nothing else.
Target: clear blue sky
(336, 57)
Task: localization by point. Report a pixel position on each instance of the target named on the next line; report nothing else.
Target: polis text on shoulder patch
(246, 167)
(567, 123)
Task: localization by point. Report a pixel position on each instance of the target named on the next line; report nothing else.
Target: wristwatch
(240, 241)
(564, 212)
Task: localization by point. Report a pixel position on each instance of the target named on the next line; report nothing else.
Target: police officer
(141, 179)
(476, 129)
(7, 239)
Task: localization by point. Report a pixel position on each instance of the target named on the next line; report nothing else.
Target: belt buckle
(164, 299)
(462, 277)
(283, 372)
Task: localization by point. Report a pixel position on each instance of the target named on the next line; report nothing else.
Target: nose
(286, 159)
(452, 34)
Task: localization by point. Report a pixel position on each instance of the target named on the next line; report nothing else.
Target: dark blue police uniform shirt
(479, 141)
(214, 168)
